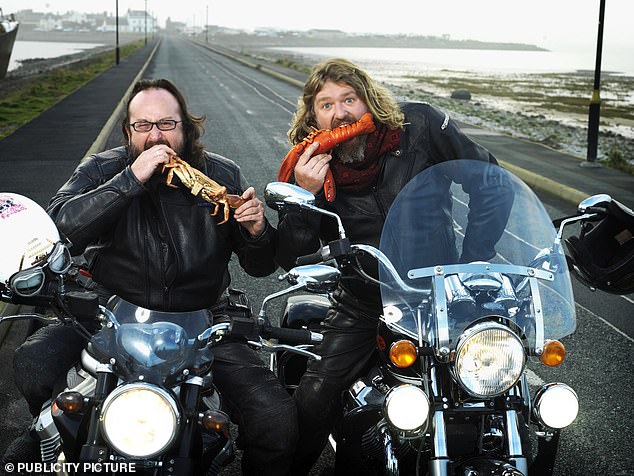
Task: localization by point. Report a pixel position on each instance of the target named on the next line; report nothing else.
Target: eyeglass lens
(146, 126)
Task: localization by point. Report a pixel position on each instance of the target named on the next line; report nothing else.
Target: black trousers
(347, 352)
(257, 402)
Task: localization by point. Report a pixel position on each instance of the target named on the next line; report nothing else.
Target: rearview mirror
(280, 194)
(593, 201)
(316, 278)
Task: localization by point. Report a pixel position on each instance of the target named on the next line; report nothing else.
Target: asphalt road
(248, 114)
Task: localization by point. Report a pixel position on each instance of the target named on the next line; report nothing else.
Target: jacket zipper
(375, 191)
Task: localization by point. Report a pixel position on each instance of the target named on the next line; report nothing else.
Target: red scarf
(359, 176)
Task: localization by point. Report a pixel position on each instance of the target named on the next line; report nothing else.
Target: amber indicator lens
(71, 402)
(403, 353)
(216, 421)
(554, 353)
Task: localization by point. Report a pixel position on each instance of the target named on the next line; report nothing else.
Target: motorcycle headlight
(556, 405)
(490, 359)
(139, 420)
(406, 407)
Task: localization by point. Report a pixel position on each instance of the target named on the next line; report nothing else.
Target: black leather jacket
(156, 246)
(428, 137)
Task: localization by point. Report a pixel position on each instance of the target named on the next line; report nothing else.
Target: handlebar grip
(292, 336)
(39, 300)
(313, 258)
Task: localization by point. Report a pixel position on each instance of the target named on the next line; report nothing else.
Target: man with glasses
(156, 247)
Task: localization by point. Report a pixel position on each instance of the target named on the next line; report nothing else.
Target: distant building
(174, 26)
(139, 20)
(49, 22)
(325, 33)
(109, 24)
(268, 31)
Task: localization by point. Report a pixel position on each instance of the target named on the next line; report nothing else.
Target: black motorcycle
(142, 398)
(449, 393)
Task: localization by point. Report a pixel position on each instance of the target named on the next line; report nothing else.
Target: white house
(137, 22)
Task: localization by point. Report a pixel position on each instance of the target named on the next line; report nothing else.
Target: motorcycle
(142, 397)
(448, 393)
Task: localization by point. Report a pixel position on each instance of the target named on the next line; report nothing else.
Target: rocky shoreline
(538, 128)
(558, 130)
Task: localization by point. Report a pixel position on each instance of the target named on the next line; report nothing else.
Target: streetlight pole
(595, 101)
(207, 25)
(116, 22)
(145, 22)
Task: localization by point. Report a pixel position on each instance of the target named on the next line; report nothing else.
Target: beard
(352, 150)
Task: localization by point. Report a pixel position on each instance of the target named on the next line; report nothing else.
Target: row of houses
(133, 21)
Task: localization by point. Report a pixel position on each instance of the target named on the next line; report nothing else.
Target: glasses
(30, 282)
(162, 125)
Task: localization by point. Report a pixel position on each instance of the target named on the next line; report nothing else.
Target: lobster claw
(289, 163)
(329, 186)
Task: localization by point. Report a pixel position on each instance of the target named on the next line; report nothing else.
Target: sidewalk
(541, 167)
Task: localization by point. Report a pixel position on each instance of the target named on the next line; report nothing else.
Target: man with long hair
(154, 246)
(368, 171)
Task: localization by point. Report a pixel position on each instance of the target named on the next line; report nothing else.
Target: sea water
(45, 49)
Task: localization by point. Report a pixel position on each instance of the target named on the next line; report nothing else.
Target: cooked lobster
(328, 139)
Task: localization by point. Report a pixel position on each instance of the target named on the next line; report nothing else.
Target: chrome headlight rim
(167, 398)
(467, 337)
(538, 403)
(394, 399)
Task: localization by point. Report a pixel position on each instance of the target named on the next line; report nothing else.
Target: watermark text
(117, 468)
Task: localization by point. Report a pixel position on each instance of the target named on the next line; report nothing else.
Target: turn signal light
(70, 402)
(403, 353)
(554, 353)
(216, 421)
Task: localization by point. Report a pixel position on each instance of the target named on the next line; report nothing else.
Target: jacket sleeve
(256, 255)
(89, 203)
(490, 192)
(448, 142)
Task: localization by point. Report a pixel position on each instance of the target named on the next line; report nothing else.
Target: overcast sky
(547, 23)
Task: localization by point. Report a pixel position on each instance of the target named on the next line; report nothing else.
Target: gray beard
(351, 151)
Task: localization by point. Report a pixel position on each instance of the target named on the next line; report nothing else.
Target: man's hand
(310, 172)
(251, 213)
(149, 160)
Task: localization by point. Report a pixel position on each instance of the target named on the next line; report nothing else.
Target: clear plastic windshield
(471, 241)
(156, 345)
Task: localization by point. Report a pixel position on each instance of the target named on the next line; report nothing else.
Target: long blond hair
(379, 100)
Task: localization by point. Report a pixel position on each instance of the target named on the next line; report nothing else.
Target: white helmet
(27, 234)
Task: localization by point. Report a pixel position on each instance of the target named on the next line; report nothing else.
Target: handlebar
(312, 258)
(335, 249)
(249, 328)
(293, 336)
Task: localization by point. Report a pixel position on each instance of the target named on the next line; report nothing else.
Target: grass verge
(42, 91)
